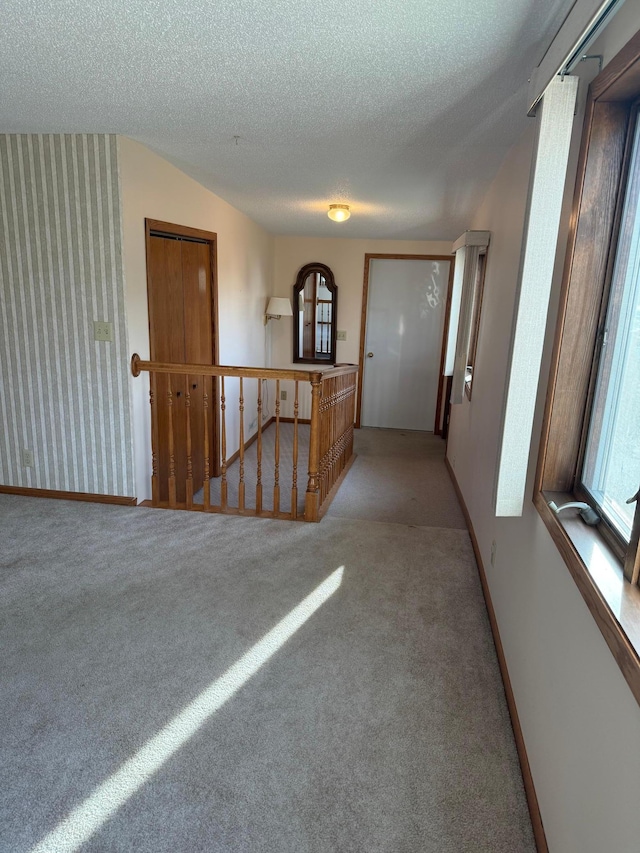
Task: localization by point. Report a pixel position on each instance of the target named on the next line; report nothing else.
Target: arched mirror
(315, 315)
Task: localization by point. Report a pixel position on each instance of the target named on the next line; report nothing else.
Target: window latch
(586, 513)
(634, 498)
(604, 338)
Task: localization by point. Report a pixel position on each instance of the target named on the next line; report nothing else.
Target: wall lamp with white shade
(279, 306)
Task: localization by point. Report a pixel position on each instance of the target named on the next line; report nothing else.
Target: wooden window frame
(626, 553)
(590, 554)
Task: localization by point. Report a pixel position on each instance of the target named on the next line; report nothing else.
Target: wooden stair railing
(190, 418)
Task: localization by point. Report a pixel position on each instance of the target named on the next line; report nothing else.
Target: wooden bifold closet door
(180, 324)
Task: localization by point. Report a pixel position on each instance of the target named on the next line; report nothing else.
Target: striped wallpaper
(63, 395)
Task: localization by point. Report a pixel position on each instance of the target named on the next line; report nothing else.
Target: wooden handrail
(339, 370)
(138, 365)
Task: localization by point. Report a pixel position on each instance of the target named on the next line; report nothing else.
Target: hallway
(185, 682)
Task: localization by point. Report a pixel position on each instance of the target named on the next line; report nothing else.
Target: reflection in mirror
(315, 297)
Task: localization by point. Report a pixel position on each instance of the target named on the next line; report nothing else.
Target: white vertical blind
(555, 124)
(454, 313)
(466, 250)
(464, 326)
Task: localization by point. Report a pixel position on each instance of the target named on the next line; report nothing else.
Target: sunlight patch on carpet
(108, 797)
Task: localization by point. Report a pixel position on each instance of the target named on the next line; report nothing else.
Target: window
(478, 289)
(590, 448)
(464, 317)
(610, 469)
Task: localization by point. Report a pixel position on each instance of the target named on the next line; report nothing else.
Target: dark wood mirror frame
(298, 288)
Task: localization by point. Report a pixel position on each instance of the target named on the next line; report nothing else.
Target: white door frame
(437, 428)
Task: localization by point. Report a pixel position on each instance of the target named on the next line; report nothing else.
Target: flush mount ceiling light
(339, 212)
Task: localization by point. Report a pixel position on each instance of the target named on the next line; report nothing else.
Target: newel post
(312, 497)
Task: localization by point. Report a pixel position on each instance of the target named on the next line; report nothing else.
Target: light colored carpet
(399, 476)
(380, 726)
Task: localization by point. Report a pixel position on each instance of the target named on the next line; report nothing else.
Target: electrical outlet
(341, 335)
(27, 459)
(102, 331)
(493, 553)
(283, 395)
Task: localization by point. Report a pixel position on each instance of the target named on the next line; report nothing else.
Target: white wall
(153, 188)
(580, 721)
(345, 258)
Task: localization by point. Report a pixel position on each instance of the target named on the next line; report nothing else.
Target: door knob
(369, 355)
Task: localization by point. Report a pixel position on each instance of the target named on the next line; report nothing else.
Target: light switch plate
(103, 331)
(341, 335)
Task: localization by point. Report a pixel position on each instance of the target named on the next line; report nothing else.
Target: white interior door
(405, 320)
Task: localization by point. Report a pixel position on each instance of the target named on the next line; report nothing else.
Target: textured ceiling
(402, 109)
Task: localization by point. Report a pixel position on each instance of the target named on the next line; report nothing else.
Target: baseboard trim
(87, 497)
(292, 420)
(525, 768)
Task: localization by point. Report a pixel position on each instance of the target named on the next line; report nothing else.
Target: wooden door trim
(369, 256)
(171, 229)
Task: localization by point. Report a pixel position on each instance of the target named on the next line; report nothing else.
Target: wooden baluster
(327, 422)
(205, 412)
(223, 467)
(322, 439)
(189, 482)
(342, 426)
(311, 500)
(153, 400)
(241, 451)
(335, 435)
(294, 480)
(335, 456)
(259, 452)
(172, 459)
(325, 453)
(331, 414)
(351, 416)
(325, 447)
(276, 469)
